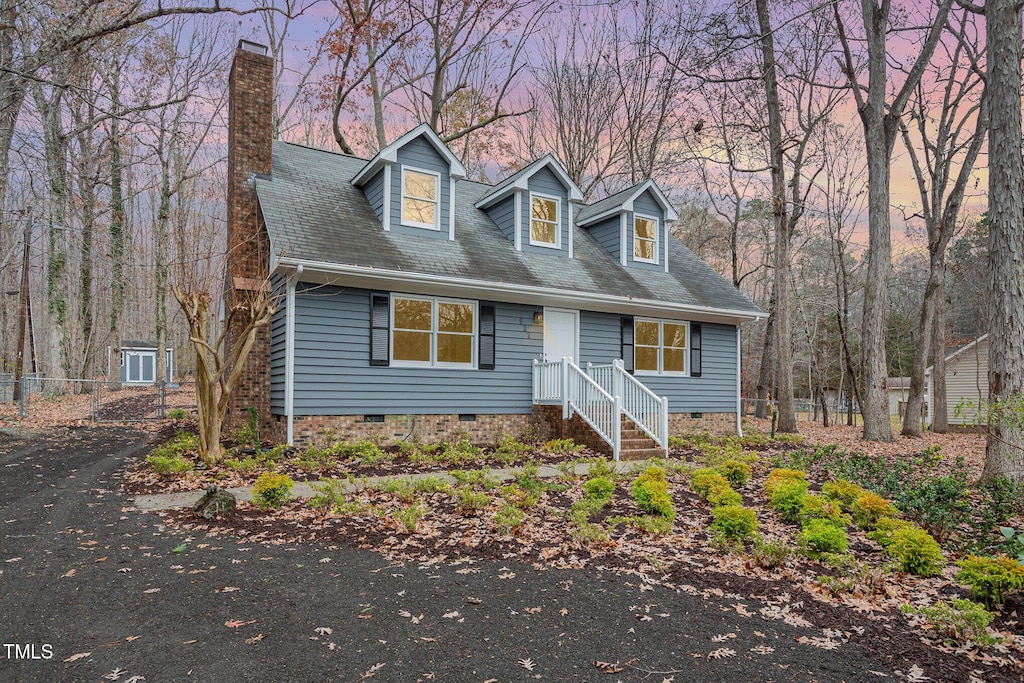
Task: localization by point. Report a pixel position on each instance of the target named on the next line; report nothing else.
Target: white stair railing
(597, 407)
(641, 405)
(547, 381)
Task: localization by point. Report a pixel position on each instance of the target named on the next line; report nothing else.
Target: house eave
(325, 273)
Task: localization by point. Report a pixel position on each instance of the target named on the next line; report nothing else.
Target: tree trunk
(117, 219)
(1004, 448)
(922, 354)
(938, 416)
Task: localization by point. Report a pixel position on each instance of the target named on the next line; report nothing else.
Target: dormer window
(420, 192)
(544, 221)
(645, 239)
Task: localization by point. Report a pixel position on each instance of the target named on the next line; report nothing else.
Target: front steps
(635, 444)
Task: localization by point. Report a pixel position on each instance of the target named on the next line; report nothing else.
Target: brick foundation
(543, 424)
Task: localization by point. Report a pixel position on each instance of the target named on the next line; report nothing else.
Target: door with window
(561, 334)
(140, 366)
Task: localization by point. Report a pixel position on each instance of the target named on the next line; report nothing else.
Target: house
(898, 389)
(413, 301)
(966, 382)
(138, 362)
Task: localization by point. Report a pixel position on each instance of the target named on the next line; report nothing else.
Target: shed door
(140, 366)
(561, 334)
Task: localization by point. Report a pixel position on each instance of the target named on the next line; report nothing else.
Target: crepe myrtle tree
(220, 357)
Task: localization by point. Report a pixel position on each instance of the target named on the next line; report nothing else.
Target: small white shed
(966, 381)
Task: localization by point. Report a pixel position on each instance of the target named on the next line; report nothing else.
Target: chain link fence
(806, 410)
(68, 400)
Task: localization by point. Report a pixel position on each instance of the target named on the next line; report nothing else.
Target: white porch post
(565, 388)
(664, 421)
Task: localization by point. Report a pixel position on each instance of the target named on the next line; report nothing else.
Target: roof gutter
(390, 279)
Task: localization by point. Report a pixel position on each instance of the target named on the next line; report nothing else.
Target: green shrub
(821, 536)
(249, 464)
(870, 507)
(733, 522)
(168, 464)
(364, 451)
(939, 504)
(961, 620)
(787, 497)
(703, 480)
(599, 488)
(916, 551)
(182, 443)
(652, 524)
(884, 528)
(650, 491)
(842, 492)
(737, 473)
(409, 517)
(508, 517)
(522, 498)
(819, 507)
(770, 554)
(783, 476)
(721, 496)
(177, 414)
(470, 502)
(484, 479)
(330, 494)
(599, 467)
(991, 579)
(510, 449)
(272, 490)
(562, 446)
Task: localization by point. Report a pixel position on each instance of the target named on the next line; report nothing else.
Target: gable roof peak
(389, 154)
(521, 178)
(623, 201)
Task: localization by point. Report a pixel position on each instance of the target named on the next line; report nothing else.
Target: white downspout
(289, 354)
(739, 388)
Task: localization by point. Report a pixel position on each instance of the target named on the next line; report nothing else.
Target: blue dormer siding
(645, 205)
(504, 216)
(608, 233)
(418, 154)
(374, 191)
(545, 183)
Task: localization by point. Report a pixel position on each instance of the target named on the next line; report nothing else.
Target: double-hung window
(433, 332)
(645, 239)
(544, 221)
(420, 199)
(660, 347)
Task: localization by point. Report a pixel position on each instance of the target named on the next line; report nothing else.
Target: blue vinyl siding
(278, 337)
(609, 234)
(333, 375)
(646, 205)
(504, 216)
(374, 190)
(420, 154)
(713, 392)
(545, 182)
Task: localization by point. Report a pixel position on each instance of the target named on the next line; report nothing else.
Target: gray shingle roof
(313, 212)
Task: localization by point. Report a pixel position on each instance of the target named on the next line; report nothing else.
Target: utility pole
(23, 310)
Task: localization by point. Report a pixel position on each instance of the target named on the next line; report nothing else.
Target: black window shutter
(695, 344)
(627, 344)
(485, 358)
(379, 329)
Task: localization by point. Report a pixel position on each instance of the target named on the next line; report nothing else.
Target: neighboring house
(966, 382)
(899, 389)
(415, 301)
(138, 362)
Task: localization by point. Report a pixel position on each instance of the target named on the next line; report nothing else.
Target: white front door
(561, 334)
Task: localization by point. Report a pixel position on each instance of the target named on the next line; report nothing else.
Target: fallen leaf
(228, 589)
(563, 611)
(255, 639)
(135, 679)
(124, 570)
(722, 638)
(190, 642)
(235, 623)
(115, 674)
(76, 657)
(721, 652)
(916, 674)
(450, 615)
(527, 664)
(608, 667)
(151, 590)
(131, 638)
(102, 559)
(179, 549)
(532, 610)
(324, 631)
(763, 649)
(69, 573)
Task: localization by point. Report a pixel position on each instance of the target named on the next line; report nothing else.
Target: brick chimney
(250, 123)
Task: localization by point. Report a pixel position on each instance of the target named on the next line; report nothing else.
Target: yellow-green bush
(650, 491)
(842, 491)
(168, 464)
(703, 480)
(991, 578)
(781, 476)
(736, 473)
(818, 507)
(821, 536)
(733, 522)
(787, 497)
(272, 490)
(870, 507)
(916, 551)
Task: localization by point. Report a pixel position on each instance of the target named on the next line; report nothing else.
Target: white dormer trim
(389, 153)
(622, 238)
(436, 225)
(666, 246)
(386, 198)
(451, 211)
(570, 227)
(517, 217)
(520, 180)
(629, 196)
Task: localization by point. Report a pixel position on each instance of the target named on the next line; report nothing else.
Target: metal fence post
(161, 387)
(23, 399)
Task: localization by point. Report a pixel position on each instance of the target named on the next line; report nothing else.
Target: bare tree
(880, 117)
(950, 130)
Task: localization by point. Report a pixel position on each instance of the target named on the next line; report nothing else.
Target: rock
(215, 501)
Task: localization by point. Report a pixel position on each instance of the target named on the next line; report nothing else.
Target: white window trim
(436, 225)
(661, 348)
(657, 231)
(558, 221)
(432, 363)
